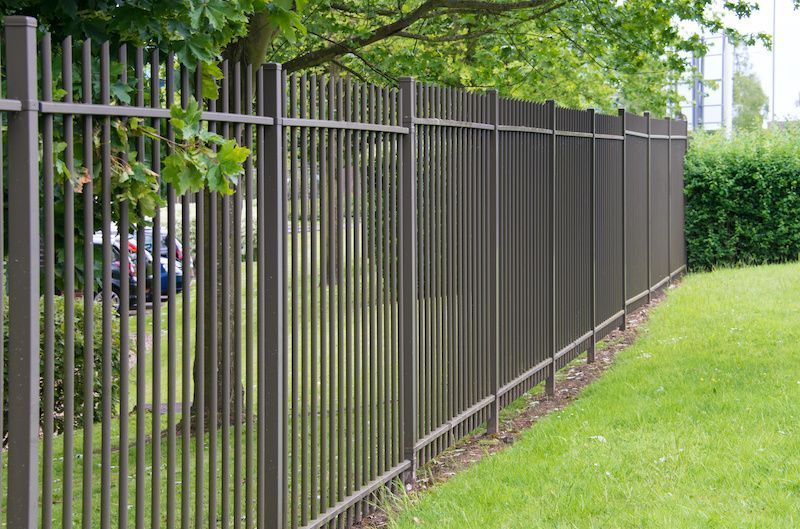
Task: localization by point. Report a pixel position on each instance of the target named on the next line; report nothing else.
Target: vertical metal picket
(407, 212)
(23, 274)
(274, 239)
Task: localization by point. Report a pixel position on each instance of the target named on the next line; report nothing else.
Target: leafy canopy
(600, 53)
(196, 30)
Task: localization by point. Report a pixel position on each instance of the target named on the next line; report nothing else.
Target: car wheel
(115, 299)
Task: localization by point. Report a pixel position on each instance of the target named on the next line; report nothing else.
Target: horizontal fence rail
(391, 268)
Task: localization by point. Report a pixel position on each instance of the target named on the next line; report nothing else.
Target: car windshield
(148, 241)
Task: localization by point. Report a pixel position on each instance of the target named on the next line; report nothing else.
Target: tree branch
(323, 55)
(444, 38)
(360, 57)
(427, 9)
(352, 72)
(483, 7)
(344, 8)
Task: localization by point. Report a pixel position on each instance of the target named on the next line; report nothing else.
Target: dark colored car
(116, 278)
(116, 275)
(148, 246)
(180, 258)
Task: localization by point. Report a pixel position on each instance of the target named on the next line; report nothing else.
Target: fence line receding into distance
(394, 267)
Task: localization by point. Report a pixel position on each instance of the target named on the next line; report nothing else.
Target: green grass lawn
(697, 425)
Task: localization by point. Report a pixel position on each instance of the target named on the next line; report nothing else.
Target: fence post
(669, 201)
(590, 353)
(494, 262)
(550, 380)
(274, 240)
(649, 216)
(23, 274)
(407, 211)
(623, 127)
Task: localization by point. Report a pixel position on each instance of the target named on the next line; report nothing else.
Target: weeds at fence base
(514, 420)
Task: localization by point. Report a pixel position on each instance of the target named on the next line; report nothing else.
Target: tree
(601, 53)
(750, 103)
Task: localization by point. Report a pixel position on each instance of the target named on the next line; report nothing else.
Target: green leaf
(207, 136)
(216, 181)
(121, 93)
(186, 122)
(174, 173)
(61, 169)
(231, 157)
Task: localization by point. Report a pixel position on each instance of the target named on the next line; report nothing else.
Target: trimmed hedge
(58, 365)
(743, 198)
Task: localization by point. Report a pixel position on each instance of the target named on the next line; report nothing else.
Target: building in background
(708, 101)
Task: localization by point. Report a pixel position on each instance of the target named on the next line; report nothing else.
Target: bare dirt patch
(473, 448)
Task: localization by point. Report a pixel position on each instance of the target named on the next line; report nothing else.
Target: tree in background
(600, 53)
(750, 103)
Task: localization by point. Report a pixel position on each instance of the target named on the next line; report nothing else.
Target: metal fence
(394, 267)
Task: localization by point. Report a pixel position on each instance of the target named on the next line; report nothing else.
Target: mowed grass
(697, 425)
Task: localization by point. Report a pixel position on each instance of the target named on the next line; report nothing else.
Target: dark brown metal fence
(394, 267)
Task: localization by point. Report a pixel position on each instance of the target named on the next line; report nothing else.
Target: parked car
(116, 276)
(164, 261)
(164, 249)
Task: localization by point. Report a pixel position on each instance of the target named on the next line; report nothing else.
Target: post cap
(20, 21)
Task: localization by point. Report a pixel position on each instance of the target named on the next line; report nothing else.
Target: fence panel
(342, 337)
(375, 277)
(677, 244)
(659, 208)
(573, 233)
(149, 350)
(609, 272)
(524, 260)
(453, 224)
(636, 209)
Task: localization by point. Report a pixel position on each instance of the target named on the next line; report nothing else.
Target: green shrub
(59, 357)
(743, 198)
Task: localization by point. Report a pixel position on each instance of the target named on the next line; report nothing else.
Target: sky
(787, 54)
